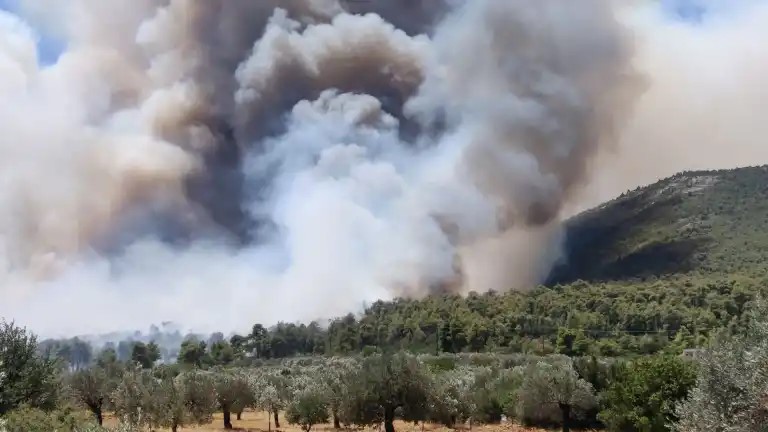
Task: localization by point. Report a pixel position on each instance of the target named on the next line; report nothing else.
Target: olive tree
(332, 376)
(452, 399)
(731, 392)
(199, 396)
(553, 385)
(132, 399)
(92, 388)
(269, 401)
(246, 396)
(308, 407)
(385, 384)
(187, 399)
(271, 390)
(27, 378)
(493, 393)
(232, 390)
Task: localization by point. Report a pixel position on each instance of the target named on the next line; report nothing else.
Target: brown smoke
(308, 155)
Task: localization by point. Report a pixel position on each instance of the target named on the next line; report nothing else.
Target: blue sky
(691, 11)
(699, 11)
(48, 48)
(686, 10)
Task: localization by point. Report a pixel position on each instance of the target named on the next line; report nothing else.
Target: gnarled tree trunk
(389, 419)
(565, 409)
(95, 408)
(277, 420)
(227, 419)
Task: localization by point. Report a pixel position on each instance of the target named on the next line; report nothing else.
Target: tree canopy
(25, 376)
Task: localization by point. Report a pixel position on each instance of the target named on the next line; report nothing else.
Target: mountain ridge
(692, 221)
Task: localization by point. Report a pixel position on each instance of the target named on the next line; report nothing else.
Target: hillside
(711, 222)
(659, 268)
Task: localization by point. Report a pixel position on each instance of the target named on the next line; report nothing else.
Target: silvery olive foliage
(731, 393)
(386, 386)
(143, 400)
(551, 391)
(180, 401)
(382, 388)
(199, 396)
(494, 393)
(233, 391)
(452, 400)
(309, 403)
(271, 389)
(332, 375)
(132, 399)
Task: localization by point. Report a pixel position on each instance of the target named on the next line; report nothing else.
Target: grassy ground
(257, 422)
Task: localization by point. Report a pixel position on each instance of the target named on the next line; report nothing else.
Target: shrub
(442, 362)
(26, 419)
(642, 395)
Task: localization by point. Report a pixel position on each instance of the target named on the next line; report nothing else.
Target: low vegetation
(677, 267)
(724, 390)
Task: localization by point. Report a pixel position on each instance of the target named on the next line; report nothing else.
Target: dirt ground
(257, 422)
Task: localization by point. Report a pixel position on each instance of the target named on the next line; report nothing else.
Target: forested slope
(660, 267)
(712, 222)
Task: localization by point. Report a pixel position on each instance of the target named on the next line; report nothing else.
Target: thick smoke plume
(223, 162)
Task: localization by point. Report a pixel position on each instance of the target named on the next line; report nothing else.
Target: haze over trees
(603, 352)
(625, 298)
(725, 390)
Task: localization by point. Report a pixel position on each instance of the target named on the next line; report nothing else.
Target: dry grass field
(257, 422)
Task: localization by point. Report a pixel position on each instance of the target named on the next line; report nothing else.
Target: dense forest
(605, 318)
(657, 269)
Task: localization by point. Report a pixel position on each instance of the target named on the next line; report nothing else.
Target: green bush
(642, 395)
(25, 376)
(26, 419)
(443, 362)
(609, 348)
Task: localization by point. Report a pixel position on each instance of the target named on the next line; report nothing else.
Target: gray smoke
(222, 162)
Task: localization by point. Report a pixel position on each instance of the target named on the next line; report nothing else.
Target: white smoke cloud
(370, 161)
(704, 106)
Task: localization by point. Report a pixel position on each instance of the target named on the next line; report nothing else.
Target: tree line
(726, 389)
(602, 319)
(608, 319)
